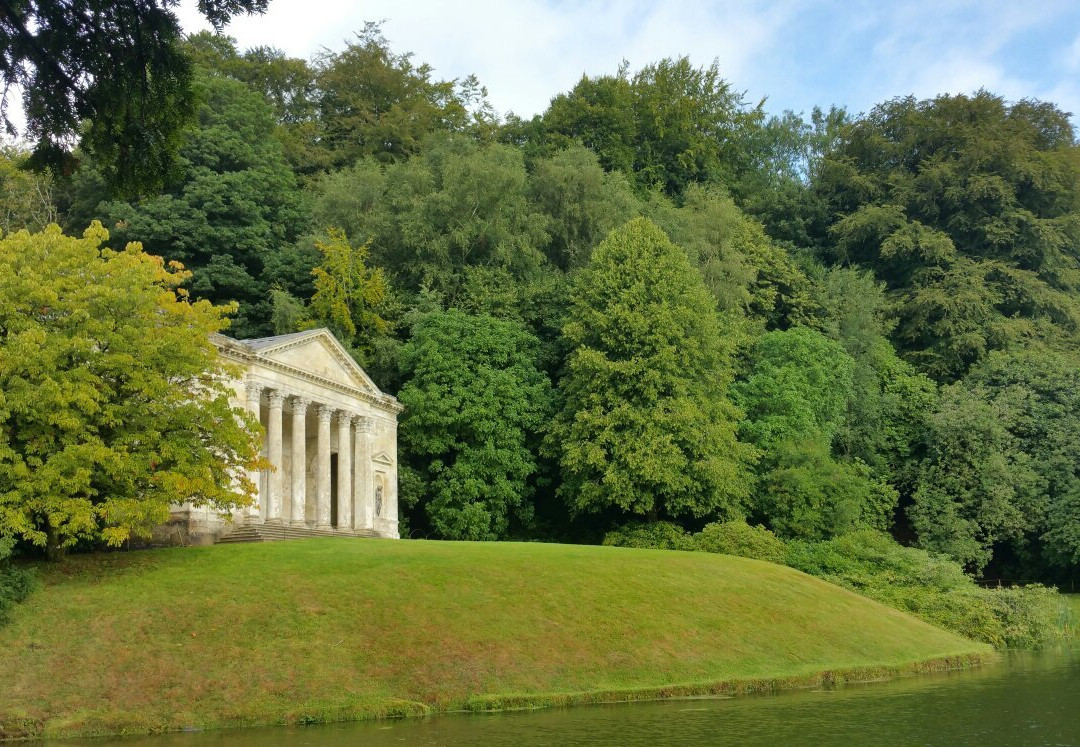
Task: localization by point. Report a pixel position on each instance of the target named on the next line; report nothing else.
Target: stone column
(322, 472)
(363, 511)
(273, 449)
(344, 472)
(253, 513)
(298, 515)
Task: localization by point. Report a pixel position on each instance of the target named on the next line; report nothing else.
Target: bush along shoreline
(930, 586)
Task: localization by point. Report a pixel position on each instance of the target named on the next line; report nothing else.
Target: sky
(794, 53)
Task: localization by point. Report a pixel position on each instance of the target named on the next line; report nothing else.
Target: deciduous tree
(234, 215)
(113, 403)
(646, 427)
(475, 401)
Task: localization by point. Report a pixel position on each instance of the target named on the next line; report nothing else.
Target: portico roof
(292, 352)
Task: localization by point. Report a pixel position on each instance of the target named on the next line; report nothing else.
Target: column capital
(344, 418)
(253, 389)
(277, 398)
(325, 412)
(363, 424)
(300, 404)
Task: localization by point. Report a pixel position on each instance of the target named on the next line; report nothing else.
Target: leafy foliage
(375, 102)
(739, 538)
(669, 125)
(931, 587)
(447, 221)
(656, 535)
(112, 399)
(967, 208)
(112, 73)
(26, 198)
(15, 583)
(645, 427)
(795, 395)
(1002, 469)
(474, 404)
(348, 294)
(235, 213)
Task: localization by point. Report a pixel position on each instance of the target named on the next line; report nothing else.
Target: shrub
(657, 535)
(739, 538)
(15, 583)
(931, 587)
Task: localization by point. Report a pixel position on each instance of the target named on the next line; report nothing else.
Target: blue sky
(798, 53)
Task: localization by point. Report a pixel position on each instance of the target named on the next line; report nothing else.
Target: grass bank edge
(114, 724)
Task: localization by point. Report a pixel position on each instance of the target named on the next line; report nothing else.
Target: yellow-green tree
(113, 401)
(646, 427)
(348, 293)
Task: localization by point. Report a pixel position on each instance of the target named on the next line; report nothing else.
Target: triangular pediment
(381, 457)
(320, 354)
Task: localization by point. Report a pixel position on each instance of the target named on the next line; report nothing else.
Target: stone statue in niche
(378, 500)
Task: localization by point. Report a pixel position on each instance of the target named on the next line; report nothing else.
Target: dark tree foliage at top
(109, 73)
(967, 208)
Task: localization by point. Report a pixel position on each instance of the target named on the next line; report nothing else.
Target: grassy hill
(336, 629)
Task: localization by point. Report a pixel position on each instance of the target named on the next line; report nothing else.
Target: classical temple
(329, 431)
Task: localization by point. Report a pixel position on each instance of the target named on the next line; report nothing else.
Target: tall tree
(474, 401)
(646, 427)
(348, 294)
(795, 395)
(109, 74)
(669, 125)
(1002, 479)
(235, 214)
(452, 219)
(113, 400)
(967, 208)
(372, 101)
(26, 198)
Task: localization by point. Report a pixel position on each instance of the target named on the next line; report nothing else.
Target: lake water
(1028, 698)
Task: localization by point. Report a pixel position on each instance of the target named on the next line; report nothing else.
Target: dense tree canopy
(967, 207)
(669, 125)
(1003, 473)
(112, 402)
(109, 74)
(645, 426)
(475, 402)
(819, 322)
(795, 396)
(234, 215)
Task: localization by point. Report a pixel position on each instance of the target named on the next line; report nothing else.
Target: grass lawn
(336, 629)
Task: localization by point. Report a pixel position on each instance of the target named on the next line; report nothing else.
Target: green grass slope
(335, 629)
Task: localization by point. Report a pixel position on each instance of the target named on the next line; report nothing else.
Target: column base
(298, 523)
(325, 527)
(274, 522)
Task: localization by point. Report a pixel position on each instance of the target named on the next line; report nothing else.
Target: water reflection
(1028, 698)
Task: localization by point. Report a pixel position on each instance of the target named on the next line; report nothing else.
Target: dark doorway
(333, 490)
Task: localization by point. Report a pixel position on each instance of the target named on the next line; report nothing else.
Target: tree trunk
(53, 551)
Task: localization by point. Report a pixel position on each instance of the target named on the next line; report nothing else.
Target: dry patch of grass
(335, 629)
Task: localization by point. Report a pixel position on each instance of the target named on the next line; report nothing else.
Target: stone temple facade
(329, 431)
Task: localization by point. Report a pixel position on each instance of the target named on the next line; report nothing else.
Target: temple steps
(273, 532)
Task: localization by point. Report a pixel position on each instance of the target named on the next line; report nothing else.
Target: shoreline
(393, 709)
(337, 630)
